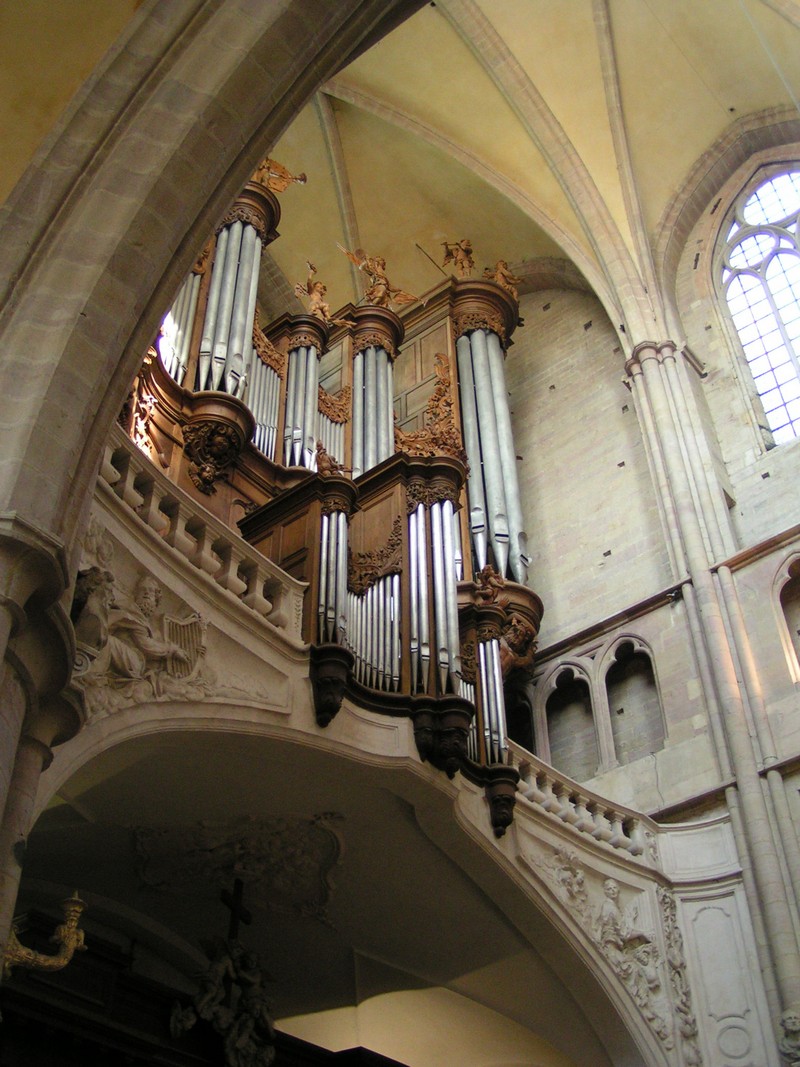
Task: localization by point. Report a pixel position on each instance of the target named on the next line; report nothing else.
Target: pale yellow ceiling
(538, 128)
(47, 50)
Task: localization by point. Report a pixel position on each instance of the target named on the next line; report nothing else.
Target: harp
(190, 635)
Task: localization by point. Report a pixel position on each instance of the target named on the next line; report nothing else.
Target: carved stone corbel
(330, 671)
(441, 730)
(501, 793)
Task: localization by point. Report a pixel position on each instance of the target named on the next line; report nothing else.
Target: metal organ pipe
(508, 460)
(490, 450)
(472, 444)
(219, 351)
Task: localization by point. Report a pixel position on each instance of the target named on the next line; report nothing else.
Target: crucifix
(239, 913)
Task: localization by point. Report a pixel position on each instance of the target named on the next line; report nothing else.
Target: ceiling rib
(341, 181)
(366, 102)
(548, 135)
(616, 116)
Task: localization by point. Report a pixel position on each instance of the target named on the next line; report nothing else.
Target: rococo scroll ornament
(440, 435)
(266, 350)
(335, 406)
(365, 568)
(287, 861)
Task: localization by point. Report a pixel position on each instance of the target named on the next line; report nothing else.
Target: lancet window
(760, 277)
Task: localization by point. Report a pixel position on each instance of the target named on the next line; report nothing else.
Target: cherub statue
(380, 291)
(326, 464)
(459, 253)
(275, 176)
(316, 292)
(489, 585)
(503, 277)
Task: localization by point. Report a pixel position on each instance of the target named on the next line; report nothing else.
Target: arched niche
(570, 725)
(637, 720)
(787, 587)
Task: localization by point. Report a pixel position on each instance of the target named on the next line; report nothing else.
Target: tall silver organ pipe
(176, 329)
(493, 490)
(377, 334)
(300, 432)
(373, 411)
(263, 399)
(332, 606)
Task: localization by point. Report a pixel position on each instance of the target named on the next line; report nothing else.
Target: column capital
(644, 350)
(256, 207)
(377, 326)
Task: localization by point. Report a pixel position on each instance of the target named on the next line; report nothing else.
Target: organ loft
(407, 532)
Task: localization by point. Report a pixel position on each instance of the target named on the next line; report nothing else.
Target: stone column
(675, 442)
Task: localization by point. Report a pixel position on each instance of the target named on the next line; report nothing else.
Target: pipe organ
(410, 538)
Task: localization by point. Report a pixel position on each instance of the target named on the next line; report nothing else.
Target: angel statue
(317, 304)
(503, 277)
(275, 176)
(380, 291)
(459, 253)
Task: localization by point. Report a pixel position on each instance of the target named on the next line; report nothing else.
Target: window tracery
(760, 277)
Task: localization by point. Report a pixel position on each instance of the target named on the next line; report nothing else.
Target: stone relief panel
(286, 862)
(643, 947)
(130, 651)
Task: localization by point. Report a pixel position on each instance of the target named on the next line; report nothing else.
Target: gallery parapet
(201, 539)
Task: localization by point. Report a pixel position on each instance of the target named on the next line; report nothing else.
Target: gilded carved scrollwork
(68, 936)
(440, 435)
(266, 350)
(201, 263)
(365, 568)
(336, 406)
(478, 318)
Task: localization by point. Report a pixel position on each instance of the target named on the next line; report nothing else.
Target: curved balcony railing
(202, 540)
(588, 813)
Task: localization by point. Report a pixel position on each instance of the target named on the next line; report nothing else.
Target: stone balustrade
(587, 813)
(200, 538)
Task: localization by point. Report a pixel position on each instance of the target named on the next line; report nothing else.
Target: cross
(238, 911)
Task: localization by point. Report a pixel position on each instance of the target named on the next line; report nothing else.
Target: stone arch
(566, 720)
(636, 710)
(465, 842)
(786, 604)
(105, 223)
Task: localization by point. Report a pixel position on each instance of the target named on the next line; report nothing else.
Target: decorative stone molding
(365, 568)
(676, 967)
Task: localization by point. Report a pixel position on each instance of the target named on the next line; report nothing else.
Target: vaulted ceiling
(543, 130)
